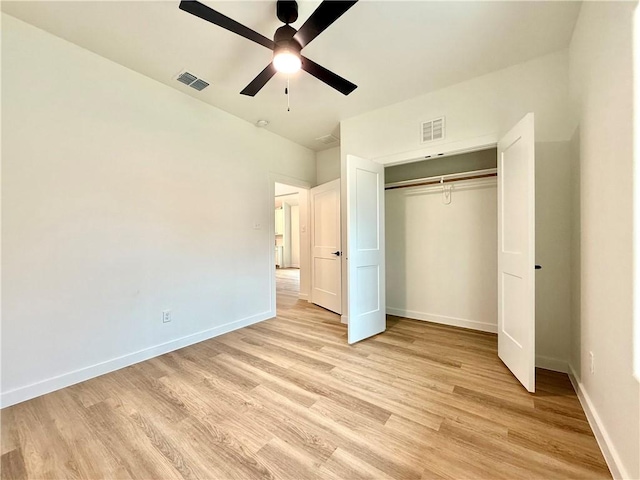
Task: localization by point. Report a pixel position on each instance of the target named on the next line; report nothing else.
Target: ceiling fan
(287, 42)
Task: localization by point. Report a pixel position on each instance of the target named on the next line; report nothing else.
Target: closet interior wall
(442, 242)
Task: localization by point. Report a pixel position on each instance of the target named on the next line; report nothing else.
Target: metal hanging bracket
(446, 192)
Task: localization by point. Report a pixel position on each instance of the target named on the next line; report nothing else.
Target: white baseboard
(602, 437)
(550, 363)
(444, 320)
(49, 385)
(304, 296)
(344, 319)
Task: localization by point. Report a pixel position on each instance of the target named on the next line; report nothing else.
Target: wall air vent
(191, 80)
(432, 130)
(328, 139)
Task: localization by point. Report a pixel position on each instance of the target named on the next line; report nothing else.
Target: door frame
(464, 146)
(305, 249)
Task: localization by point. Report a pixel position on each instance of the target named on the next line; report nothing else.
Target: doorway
(290, 213)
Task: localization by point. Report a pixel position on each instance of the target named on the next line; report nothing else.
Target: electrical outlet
(592, 367)
(166, 316)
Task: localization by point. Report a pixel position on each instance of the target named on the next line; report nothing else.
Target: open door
(365, 242)
(516, 251)
(326, 267)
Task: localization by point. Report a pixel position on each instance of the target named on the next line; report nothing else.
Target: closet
(441, 240)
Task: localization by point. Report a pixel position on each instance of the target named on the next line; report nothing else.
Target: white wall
(553, 252)
(636, 192)
(286, 236)
(441, 258)
(295, 236)
(602, 86)
(328, 165)
(114, 209)
(480, 110)
(290, 239)
(576, 274)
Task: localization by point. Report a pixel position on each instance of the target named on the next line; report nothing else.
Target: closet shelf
(441, 179)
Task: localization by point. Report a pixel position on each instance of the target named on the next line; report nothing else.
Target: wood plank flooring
(288, 398)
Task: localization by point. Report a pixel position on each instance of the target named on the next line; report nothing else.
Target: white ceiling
(393, 50)
(292, 200)
(282, 189)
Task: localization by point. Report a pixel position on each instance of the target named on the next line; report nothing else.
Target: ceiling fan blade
(210, 15)
(336, 81)
(260, 81)
(323, 16)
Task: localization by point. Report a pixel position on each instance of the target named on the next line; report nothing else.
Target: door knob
(337, 253)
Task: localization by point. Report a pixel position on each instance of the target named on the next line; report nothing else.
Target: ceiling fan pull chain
(286, 92)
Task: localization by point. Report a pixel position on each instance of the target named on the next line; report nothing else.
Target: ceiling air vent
(193, 81)
(199, 84)
(328, 139)
(432, 130)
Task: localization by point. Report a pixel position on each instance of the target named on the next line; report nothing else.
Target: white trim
(344, 319)
(294, 182)
(444, 320)
(636, 199)
(270, 242)
(609, 452)
(49, 385)
(440, 150)
(304, 296)
(551, 363)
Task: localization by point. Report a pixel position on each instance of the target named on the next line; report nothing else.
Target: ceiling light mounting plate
(287, 11)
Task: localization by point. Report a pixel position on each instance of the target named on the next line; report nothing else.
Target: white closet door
(516, 251)
(365, 256)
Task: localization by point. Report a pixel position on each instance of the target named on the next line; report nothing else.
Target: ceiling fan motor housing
(287, 11)
(284, 40)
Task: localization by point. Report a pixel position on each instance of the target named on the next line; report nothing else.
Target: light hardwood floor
(288, 398)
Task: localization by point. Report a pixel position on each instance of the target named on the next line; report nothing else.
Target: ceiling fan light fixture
(287, 41)
(287, 61)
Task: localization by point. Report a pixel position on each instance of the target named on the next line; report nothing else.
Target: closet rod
(440, 179)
